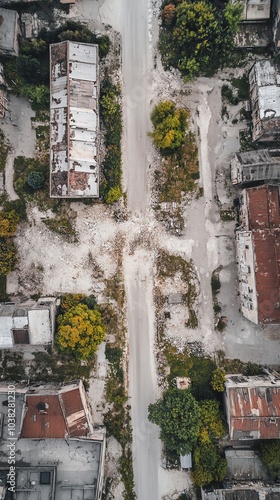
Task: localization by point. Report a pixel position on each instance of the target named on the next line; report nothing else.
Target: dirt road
(137, 73)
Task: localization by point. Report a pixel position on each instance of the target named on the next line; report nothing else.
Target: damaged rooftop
(74, 120)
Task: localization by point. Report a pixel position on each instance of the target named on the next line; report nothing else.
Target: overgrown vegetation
(198, 37)
(62, 226)
(179, 169)
(170, 265)
(117, 417)
(237, 92)
(3, 151)
(111, 115)
(28, 74)
(270, 455)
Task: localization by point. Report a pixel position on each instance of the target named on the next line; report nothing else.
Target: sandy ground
(49, 265)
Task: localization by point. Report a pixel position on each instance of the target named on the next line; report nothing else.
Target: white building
(27, 323)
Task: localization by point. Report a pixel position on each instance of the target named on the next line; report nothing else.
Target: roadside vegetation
(179, 169)
(198, 37)
(117, 416)
(28, 74)
(169, 267)
(203, 399)
(111, 114)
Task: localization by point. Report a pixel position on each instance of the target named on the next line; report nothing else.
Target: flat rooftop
(77, 464)
(74, 120)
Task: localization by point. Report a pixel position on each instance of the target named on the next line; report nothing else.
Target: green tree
(80, 331)
(113, 195)
(71, 300)
(169, 124)
(202, 37)
(218, 380)
(270, 456)
(211, 421)
(37, 94)
(208, 464)
(7, 257)
(177, 415)
(8, 223)
(35, 179)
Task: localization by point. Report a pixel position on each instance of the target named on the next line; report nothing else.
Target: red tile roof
(58, 415)
(254, 412)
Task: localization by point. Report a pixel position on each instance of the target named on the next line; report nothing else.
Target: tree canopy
(208, 464)
(7, 257)
(80, 331)
(211, 421)
(270, 455)
(178, 416)
(170, 125)
(198, 38)
(8, 223)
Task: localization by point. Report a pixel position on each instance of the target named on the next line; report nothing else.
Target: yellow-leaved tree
(8, 223)
(80, 331)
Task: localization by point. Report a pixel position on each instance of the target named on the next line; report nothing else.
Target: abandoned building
(264, 82)
(253, 406)
(31, 322)
(244, 464)
(74, 120)
(257, 253)
(255, 10)
(10, 32)
(67, 467)
(255, 166)
(241, 491)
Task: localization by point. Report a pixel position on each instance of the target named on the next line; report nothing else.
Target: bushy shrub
(35, 179)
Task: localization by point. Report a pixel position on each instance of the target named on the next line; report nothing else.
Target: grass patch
(4, 149)
(199, 369)
(228, 214)
(55, 366)
(168, 265)
(215, 283)
(3, 287)
(63, 227)
(11, 366)
(242, 86)
(178, 173)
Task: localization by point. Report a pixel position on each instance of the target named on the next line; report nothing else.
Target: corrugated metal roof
(253, 407)
(53, 413)
(260, 215)
(74, 413)
(74, 158)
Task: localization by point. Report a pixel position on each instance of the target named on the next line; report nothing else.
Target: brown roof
(263, 207)
(254, 412)
(264, 221)
(267, 274)
(43, 423)
(55, 416)
(74, 413)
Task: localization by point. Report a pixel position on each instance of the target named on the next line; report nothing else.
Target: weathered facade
(66, 467)
(242, 491)
(9, 32)
(253, 406)
(255, 10)
(258, 254)
(264, 81)
(74, 120)
(255, 166)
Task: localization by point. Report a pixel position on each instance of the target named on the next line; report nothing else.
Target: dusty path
(137, 73)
